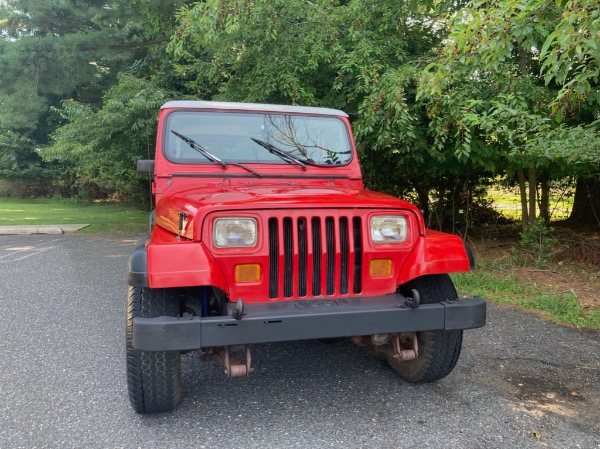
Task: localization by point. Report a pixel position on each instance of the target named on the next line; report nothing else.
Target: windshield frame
(345, 139)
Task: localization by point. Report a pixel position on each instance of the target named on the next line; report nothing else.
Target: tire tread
(153, 378)
(439, 351)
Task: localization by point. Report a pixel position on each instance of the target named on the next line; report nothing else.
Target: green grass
(508, 202)
(503, 288)
(102, 217)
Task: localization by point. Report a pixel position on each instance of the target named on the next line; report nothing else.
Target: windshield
(236, 137)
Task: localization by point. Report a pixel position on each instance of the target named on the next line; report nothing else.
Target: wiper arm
(200, 149)
(237, 164)
(282, 154)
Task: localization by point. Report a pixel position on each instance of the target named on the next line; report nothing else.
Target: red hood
(196, 203)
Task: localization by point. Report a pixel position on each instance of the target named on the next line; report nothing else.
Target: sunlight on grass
(102, 217)
(507, 201)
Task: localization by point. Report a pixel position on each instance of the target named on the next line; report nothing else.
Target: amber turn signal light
(380, 267)
(248, 272)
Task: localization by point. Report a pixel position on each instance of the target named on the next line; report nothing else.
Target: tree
(361, 56)
(61, 49)
(99, 147)
(537, 68)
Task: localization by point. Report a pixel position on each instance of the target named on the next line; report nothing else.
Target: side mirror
(145, 166)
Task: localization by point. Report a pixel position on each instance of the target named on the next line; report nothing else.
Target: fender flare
(137, 273)
(178, 264)
(436, 253)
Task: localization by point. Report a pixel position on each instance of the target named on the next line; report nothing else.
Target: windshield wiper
(251, 170)
(200, 149)
(282, 154)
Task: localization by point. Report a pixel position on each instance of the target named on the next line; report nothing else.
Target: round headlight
(388, 229)
(234, 232)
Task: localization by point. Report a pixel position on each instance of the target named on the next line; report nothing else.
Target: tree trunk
(586, 204)
(545, 202)
(532, 195)
(468, 200)
(523, 62)
(523, 192)
(423, 196)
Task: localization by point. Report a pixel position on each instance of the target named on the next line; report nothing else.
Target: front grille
(314, 256)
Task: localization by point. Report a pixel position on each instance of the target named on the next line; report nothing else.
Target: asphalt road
(520, 383)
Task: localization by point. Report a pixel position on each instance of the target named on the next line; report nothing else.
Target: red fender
(182, 263)
(435, 253)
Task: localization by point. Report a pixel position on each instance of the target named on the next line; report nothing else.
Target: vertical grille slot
(358, 250)
(344, 254)
(316, 247)
(330, 234)
(302, 256)
(288, 258)
(314, 256)
(273, 258)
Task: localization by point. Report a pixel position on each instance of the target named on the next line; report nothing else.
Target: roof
(186, 104)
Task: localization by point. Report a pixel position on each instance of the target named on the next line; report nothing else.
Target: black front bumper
(303, 320)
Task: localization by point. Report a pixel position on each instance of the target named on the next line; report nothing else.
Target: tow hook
(238, 311)
(413, 302)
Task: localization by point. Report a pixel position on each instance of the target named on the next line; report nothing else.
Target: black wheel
(439, 350)
(153, 378)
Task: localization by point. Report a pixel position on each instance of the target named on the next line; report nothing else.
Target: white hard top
(223, 105)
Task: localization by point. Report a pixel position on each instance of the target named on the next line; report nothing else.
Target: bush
(538, 241)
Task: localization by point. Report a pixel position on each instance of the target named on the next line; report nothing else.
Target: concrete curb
(41, 229)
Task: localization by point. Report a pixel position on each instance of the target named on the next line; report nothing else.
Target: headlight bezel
(224, 221)
(378, 228)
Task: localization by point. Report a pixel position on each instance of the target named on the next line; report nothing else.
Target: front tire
(153, 378)
(439, 350)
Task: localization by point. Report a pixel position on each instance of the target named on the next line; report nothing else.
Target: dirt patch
(543, 396)
(561, 277)
(576, 281)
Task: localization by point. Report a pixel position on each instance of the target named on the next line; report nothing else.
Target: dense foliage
(65, 51)
(531, 68)
(444, 96)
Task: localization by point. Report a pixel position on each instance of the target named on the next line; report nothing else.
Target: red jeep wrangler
(263, 232)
